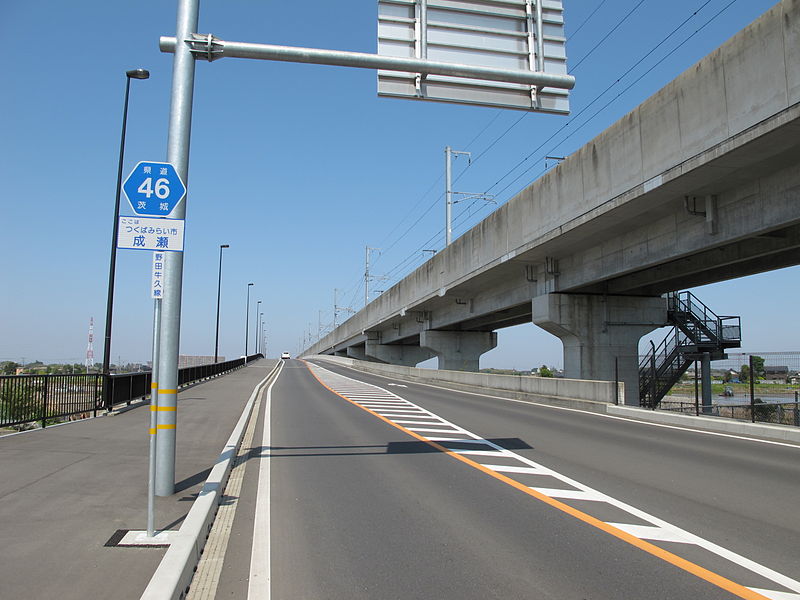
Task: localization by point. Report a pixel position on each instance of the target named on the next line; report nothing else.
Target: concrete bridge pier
(359, 353)
(395, 354)
(596, 330)
(458, 350)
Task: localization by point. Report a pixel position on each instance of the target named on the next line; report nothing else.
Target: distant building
(776, 373)
(185, 360)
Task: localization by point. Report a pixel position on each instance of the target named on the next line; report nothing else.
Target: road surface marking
(260, 575)
(336, 382)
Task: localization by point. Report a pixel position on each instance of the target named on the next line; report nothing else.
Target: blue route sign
(154, 189)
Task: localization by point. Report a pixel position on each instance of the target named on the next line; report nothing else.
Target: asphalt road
(361, 508)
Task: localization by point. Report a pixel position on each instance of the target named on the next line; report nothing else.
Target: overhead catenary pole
(448, 191)
(180, 123)
(367, 276)
(448, 198)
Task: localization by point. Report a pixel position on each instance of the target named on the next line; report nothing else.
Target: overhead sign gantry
(498, 53)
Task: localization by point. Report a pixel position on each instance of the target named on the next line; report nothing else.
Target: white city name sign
(150, 233)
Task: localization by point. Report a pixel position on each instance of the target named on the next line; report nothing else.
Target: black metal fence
(50, 399)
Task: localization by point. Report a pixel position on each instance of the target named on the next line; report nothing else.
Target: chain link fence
(761, 387)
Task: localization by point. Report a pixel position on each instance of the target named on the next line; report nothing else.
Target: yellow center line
(674, 559)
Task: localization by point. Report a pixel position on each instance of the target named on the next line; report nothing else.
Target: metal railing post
(752, 392)
(95, 395)
(44, 403)
(653, 379)
(796, 411)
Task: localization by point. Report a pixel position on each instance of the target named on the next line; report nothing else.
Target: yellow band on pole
(152, 431)
(167, 391)
(154, 385)
(163, 408)
(165, 426)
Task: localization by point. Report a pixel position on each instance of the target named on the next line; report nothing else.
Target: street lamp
(261, 335)
(255, 333)
(134, 74)
(219, 291)
(247, 321)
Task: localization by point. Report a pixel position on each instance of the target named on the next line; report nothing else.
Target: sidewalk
(65, 491)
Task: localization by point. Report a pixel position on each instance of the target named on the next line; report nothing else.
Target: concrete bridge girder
(600, 331)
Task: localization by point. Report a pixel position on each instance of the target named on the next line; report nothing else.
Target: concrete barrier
(592, 396)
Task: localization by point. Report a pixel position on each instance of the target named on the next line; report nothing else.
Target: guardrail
(50, 399)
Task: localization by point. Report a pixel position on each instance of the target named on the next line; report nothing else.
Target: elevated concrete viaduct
(698, 184)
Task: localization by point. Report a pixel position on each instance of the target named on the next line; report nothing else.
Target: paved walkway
(66, 490)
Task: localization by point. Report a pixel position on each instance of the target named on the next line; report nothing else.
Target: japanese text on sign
(157, 281)
(147, 233)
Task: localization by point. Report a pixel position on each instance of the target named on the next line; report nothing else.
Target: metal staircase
(696, 330)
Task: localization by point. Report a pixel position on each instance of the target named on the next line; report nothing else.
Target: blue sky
(297, 167)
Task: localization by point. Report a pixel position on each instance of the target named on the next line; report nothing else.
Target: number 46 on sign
(154, 189)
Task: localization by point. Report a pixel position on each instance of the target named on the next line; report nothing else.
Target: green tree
(545, 372)
(18, 402)
(758, 367)
(744, 374)
(8, 367)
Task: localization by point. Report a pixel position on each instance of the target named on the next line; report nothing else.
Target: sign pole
(180, 123)
(151, 486)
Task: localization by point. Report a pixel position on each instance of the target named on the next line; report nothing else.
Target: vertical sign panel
(157, 280)
(525, 35)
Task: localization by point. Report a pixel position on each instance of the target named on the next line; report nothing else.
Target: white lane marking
(591, 496)
(260, 576)
(507, 469)
(475, 452)
(648, 532)
(594, 414)
(459, 440)
(732, 557)
(429, 430)
(776, 595)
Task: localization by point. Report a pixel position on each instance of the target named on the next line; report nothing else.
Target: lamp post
(219, 291)
(263, 346)
(247, 321)
(133, 74)
(255, 333)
